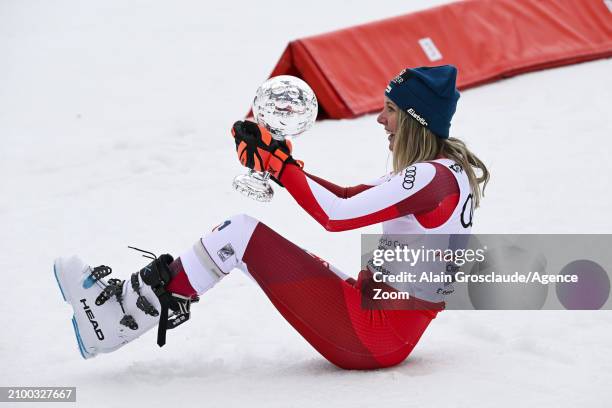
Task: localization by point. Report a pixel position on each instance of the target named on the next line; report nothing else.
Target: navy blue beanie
(428, 94)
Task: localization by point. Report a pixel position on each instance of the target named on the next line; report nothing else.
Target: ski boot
(110, 314)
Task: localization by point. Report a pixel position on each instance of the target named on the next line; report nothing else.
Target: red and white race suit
(320, 302)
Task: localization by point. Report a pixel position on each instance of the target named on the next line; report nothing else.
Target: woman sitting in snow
(433, 189)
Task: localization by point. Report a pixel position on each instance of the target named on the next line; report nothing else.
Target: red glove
(257, 149)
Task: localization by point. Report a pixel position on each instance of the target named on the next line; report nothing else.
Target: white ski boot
(109, 314)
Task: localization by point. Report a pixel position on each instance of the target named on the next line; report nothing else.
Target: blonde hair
(415, 143)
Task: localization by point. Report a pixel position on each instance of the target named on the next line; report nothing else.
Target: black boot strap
(157, 275)
(142, 302)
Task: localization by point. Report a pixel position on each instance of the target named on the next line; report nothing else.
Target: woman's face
(388, 118)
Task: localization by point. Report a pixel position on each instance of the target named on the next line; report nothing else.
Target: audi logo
(409, 176)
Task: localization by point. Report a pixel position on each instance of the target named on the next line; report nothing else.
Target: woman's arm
(338, 191)
(419, 188)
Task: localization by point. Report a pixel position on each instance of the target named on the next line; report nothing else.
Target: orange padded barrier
(486, 39)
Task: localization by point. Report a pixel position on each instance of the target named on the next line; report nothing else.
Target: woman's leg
(322, 306)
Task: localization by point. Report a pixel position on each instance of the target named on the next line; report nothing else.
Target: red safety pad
(486, 39)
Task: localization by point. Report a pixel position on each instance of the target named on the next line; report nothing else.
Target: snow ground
(114, 121)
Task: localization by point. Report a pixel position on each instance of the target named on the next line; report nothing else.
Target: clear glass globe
(286, 106)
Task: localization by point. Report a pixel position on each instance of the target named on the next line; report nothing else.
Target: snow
(114, 118)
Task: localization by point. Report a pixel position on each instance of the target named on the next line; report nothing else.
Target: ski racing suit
(319, 301)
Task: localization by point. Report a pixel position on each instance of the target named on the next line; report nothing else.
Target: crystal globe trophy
(287, 107)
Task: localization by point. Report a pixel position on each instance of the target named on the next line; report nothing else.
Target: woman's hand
(257, 149)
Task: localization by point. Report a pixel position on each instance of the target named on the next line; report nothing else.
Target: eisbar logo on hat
(418, 117)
